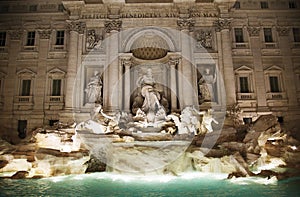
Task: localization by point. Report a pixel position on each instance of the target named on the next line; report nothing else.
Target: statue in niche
(94, 41)
(151, 105)
(204, 39)
(206, 85)
(94, 89)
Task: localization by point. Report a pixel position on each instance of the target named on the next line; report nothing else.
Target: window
(244, 83)
(1, 83)
(30, 38)
(2, 39)
(268, 35)
(25, 91)
(238, 32)
(237, 5)
(247, 120)
(296, 34)
(244, 86)
(4, 8)
(52, 122)
(22, 127)
(56, 87)
(33, 8)
(280, 119)
(274, 85)
(264, 5)
(61, 7)
(60, 36)
(292, 5)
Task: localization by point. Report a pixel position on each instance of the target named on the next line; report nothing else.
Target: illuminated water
(105, 184)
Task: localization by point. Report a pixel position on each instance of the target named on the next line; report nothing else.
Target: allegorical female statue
(151, 96)
(206, 85)
(94, 89)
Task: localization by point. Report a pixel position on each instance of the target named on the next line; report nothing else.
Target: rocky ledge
(262, 149)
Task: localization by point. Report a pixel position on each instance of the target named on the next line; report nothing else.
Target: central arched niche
(149, 46)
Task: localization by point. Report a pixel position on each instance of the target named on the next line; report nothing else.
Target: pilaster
(222, 25)
(40, 83)
(285, 47)
(258, 74)
(187, 82)
(75, 28)
(112, 71)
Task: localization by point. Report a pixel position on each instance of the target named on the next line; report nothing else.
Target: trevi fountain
(192, 151)
(148, 126)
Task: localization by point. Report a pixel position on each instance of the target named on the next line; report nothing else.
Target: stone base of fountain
(264, 147)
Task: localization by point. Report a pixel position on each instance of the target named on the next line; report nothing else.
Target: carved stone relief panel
(203, 38)
(95, 40)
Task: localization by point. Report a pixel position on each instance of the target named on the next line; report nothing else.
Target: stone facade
(50, 51)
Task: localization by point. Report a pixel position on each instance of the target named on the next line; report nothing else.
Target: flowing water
(108, 184)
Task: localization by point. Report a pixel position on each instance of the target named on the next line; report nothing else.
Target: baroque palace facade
(51, 53)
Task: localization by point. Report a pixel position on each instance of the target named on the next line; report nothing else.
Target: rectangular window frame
(2, 38)
(239, 35)
(296, 34)
(274, 84)
(22, 128)
(30, 41)
(244, 87)
(60, 38)
(1, 87)
(26, 89)
(237, 5)
(264, 5)
(268, 35)
(33, 8)
(56, 91)
(292, 4)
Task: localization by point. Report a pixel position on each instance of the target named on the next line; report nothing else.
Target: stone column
(187, 84)
(126, 64)
(111, 73)
(173, 63)
(76, 28)
(289, 78)
(258, 74)
(220, 81)
(222, 26)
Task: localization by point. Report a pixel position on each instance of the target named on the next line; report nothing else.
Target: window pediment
(26, 73)
(243, 69)
(2, 75)
(274, 69)
(56, 72)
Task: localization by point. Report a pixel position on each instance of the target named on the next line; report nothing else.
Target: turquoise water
(105, 184)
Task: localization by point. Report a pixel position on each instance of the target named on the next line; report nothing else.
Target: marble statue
(188, 121)
(151, 104)
(96, 110)
(206, 84)
(207, 119)
(94, 89)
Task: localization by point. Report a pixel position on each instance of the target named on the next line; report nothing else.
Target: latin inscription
(149, 15)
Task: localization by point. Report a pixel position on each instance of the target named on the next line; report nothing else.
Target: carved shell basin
(149, 47)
